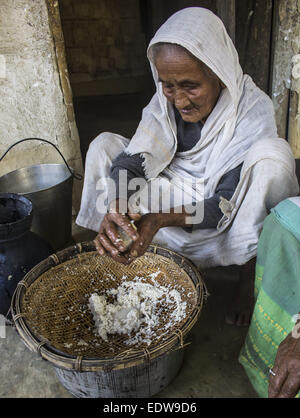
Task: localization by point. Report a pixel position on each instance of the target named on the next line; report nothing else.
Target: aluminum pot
(49, 188)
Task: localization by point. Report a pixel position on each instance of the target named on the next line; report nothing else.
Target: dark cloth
(188, 134)
(212, 212)
(134, 166)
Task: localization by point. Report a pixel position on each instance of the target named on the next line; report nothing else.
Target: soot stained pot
(20, 249)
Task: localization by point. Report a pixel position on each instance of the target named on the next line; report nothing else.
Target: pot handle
(77, 176)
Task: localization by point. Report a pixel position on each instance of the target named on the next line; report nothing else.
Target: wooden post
(294, 108)
(253, 39)
(286, 71)
(226, 12)
(59, 48)
(59, 44)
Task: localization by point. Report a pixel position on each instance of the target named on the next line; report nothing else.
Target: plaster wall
(32, 99)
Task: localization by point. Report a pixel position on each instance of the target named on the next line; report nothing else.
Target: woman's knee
(106, 145)
(100, 143)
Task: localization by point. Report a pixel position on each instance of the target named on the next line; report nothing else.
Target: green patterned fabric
(277, 292)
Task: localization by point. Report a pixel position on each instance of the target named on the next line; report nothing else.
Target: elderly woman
(210, 133)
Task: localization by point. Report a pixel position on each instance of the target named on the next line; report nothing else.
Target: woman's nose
(180, 99)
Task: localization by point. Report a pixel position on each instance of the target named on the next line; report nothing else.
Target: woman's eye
(168, 90)
(190, 87)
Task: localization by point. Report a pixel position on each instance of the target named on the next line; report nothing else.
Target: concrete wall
(32, 100)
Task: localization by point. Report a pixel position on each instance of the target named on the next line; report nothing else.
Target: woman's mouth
(186, 111)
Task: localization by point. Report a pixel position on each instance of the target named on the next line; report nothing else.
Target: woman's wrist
(160, 220)
(164, 220)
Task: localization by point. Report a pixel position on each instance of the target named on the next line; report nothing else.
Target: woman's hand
(108, 240)
(286, 382)
(147, 227)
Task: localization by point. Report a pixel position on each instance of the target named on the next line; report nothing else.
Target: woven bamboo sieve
(50, 311)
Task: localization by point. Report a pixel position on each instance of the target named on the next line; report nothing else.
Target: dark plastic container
(20, 249)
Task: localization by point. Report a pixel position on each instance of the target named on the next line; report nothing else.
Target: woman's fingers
(276, 381)
(98, 246)
(109, 236)
(124, 259)
(125, 224)
(284, 382)
(139, 247)
(104, 246)
(107, 244)
(280, 372)
(112, 233)
(134, 216)
(290, 387)
(147, 229)
(120, 215)
(109, 241)
(128, 226)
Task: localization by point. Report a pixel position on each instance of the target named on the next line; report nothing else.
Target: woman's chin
(192, 117)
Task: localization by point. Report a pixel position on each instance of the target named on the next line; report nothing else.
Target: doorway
(106, 43)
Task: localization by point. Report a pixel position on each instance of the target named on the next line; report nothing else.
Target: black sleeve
(212, 212)
(133, 164)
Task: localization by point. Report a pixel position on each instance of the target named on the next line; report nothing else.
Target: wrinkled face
(187, 83)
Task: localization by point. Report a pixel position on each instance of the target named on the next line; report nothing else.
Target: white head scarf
(242, 116)
(204, 35)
